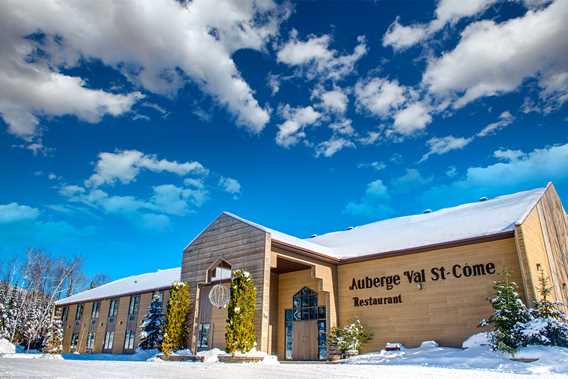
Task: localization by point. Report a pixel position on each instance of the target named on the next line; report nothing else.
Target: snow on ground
(477, 356)
(97, 369)
(6, 347)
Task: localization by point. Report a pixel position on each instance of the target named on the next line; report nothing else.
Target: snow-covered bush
(151, 329)
(53, 343)
(516, 326)
(349, 338)
(240, 330)
(509, 310)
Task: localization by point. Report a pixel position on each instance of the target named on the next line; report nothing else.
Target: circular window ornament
(219, 295)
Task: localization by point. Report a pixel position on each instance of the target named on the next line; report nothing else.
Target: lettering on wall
(389, 282)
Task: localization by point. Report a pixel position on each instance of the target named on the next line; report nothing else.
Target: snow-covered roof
(131, 284)
(467, 221)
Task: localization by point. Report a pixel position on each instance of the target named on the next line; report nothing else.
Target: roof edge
(533, 205)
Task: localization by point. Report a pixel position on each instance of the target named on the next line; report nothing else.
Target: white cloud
(516, 171)
(156, 44)
(316, 57)
(291, 131)
(174, 200)
(443, 145)
(412, 119)
(13, 212)
(374, 202)
(380, 96)
(334, 100)
(230, 185)
(505, 119)
(125, 165)
(333, 145)
(447, 12)
(375, 165)
(494, 58)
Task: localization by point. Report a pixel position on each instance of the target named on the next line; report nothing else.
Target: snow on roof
(131, 284)
(482, 218)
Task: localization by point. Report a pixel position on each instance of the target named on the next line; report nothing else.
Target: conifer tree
(240, 333)
(509, 311)
(175, 332)
(53, 343)
(151, 329)
(544, 307)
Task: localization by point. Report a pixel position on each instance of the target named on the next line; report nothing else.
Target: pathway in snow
(108, 369)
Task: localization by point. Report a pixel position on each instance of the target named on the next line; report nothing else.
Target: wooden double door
(305, 340)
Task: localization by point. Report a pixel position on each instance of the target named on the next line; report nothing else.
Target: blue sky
(127, 127)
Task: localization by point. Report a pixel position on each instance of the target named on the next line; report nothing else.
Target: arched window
(305, 304)
(220, 271)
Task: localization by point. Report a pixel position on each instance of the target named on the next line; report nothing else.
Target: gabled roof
(131, 284)
(463, 222)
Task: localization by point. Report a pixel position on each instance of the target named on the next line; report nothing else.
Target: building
(410, 279)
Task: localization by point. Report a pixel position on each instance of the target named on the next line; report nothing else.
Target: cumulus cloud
(196, 42)
(125, 165)
(374, 203)
(291, 131)
(443, 145)
(412, 118)
(230, 185)
(334, 100)
(317, 60)
(494, 58)
(515, 170)
(400, 37)
(13, 212)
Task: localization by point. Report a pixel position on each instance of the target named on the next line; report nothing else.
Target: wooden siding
(447, 311)
(542, 240)
(244, 247)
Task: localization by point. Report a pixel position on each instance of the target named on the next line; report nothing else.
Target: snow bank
(477, 356)
(6, 347)
(213, 355)
(477, 340)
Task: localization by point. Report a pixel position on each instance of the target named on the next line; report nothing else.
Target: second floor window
(79, 313)
(133, 307)
(64, 313)
(113, 308)
(96, 309)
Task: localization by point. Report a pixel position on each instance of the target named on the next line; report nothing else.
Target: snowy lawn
(476, 357)
(99, 369)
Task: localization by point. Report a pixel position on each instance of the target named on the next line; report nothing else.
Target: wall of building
(122, 322)
(446, 310)
(542, 241)
(244, 247)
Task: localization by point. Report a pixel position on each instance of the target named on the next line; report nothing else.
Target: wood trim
(306, 252)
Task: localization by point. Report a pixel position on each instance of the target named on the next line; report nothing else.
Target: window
(113, 308)
(79, 313)
(203, 337)
(222, 271)
(109, 339)
(133, 307)
(129, 340)
(95, 310)
(160, 294)
(64, 313)
(74, 341)
(91, 341)
(288, 317)
(305, 304)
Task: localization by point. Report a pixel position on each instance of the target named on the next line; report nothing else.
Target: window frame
(112, 308)
(79, 311)
(96, 309)
(129, 339)
(109, 336)
(133, 306)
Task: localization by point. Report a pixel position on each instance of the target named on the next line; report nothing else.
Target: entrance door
(305, 340)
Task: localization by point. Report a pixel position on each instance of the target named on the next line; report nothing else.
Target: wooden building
(409, 279)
